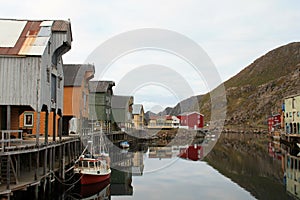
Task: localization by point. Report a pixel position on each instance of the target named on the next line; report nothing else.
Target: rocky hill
(257, 91)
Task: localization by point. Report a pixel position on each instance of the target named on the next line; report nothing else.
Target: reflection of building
(137, 163)
(274, 150)
(76, 96)
(122, 111)
(120, 182)
(160, 152)
(138, 116)
(192, 152)
(292, 114)
(292, 170)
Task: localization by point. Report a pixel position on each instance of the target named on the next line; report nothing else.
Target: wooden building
(101, 93)
(138, 116)
(76, 96)
(292, 115)
(191, 120)
(122, 112)
(32, 75)
(160, 122)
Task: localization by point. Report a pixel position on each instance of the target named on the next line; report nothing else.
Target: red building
(274, 122)
(191, 120)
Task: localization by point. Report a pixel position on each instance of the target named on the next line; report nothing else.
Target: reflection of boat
(124, 144)
(96, 190)
(193, 152)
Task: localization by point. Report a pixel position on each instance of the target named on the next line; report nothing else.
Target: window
(28, 119)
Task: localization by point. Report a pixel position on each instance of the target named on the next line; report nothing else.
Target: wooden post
(50, 159)
(69, 152)
(63, 161)
(18, 165)
(36, 192)
(54, 125)
(46, 127)
(8, 173)
(30, 161)
(60, 122)
(45, 161)
(37, 165)
(38, 128)
(8, 117)
(53, 159)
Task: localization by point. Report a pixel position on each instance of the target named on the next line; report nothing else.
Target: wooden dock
(25, 164)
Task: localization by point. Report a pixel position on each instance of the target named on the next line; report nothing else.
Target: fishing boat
(91, 167)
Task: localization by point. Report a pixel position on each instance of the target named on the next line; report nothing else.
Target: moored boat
(93, 168)
(124, 144)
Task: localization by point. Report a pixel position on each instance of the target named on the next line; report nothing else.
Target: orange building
(28, 119)
(76, 96)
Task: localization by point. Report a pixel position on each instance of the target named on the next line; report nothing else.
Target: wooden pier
(25, 164)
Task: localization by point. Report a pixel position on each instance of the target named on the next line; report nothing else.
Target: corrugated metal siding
(19, 75)
(18, 80)
(58, 38)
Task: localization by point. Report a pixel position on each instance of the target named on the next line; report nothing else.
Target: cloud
(233, 33)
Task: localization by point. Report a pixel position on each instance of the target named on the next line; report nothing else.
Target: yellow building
(138, 116)
(292, 114)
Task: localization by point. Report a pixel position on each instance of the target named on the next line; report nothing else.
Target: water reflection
(252, 162)
(291, 165)
(241, 166)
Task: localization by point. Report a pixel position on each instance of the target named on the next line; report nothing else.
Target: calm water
(183, 180)
(238, 167)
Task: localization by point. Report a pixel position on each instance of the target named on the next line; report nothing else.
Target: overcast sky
(232, 33)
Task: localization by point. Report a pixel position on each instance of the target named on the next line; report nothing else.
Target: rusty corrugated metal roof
(60, 25)
(34, 37)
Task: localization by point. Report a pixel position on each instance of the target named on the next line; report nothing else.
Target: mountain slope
(258, 90)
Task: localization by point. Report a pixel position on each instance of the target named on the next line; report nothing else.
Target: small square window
(28, 119)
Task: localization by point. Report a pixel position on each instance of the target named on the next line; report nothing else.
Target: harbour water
(240, 166)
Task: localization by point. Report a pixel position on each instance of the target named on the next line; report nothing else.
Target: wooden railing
(10, 136)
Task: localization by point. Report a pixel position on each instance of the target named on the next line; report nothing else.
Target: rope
(63, 182)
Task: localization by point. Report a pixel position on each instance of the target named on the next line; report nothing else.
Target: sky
(232, 34)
